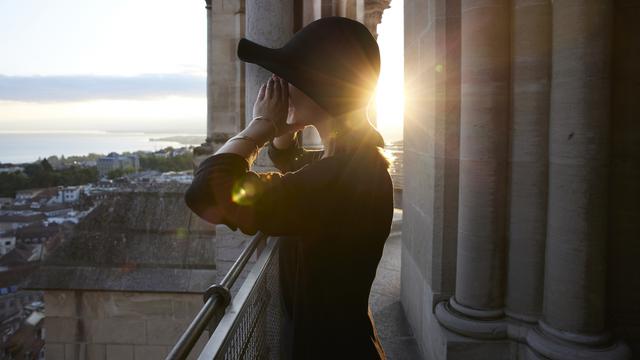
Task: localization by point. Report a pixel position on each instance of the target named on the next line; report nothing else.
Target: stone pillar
(225, 75)
(573, 321)
(348, 8)
(269, 23)
(476, 309)
(530, 72)
(205, 149)
(623, 250)
(327, 8)
(430, 167)
(210, 54)
(308, 12)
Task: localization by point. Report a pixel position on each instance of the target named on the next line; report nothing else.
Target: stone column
(269, 23)
(308, 12)
(210, 54)
(530, 72)
(476, 309)
(573, 321)
(225, 75)
(205, 149)
(623, 249)
(225, 78)
(430, 166)
(348, 8)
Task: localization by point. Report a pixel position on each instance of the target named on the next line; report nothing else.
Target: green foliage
(46, 166)
(117, 173)
(12, 182)
(174, 163)
(43, 174)
(39, 175)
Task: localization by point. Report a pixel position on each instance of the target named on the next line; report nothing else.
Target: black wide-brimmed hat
(333, 60)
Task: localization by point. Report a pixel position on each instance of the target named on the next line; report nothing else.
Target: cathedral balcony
(244, 320)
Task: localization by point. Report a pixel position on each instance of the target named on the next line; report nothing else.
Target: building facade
(113, 161)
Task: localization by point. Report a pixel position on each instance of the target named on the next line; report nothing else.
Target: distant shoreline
(102, 132)
(182, 139)
(26, 147)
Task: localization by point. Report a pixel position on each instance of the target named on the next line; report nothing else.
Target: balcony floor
(393, 329)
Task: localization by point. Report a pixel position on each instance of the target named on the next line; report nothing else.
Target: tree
(46, 166)
(37, 176)
(117, 173)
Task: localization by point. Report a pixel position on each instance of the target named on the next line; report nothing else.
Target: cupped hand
(273, 103)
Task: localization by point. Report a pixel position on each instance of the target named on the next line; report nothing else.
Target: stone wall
(100, 325)
(521, 199)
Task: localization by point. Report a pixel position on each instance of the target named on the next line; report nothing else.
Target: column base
(478, 324)
(202, 152)
(546, 342)
(209, 147)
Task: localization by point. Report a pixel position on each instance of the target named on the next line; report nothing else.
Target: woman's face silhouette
(302, 109)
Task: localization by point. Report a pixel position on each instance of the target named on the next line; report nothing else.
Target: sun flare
(389, 94)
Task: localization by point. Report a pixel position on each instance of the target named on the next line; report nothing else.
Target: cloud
(90, 87)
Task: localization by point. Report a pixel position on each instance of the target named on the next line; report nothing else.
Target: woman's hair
(354, 132)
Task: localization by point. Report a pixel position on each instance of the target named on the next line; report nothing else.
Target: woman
(333, 208)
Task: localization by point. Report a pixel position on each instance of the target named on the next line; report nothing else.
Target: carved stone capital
(373, 10)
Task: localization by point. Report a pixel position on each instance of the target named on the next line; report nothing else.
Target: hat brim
(273, 60)
(314, 84)
(252, 52)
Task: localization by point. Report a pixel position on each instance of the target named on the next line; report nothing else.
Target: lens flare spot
(243, 193)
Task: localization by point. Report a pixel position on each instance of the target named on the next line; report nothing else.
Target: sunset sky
(124, 65)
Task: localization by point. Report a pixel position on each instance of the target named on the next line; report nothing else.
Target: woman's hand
(273, 103)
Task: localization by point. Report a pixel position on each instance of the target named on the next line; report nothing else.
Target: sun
(390, 109)
(389, 94)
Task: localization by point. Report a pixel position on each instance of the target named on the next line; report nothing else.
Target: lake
(21, 147)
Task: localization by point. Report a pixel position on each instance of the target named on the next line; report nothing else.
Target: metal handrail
(217, 298)
(251, 325)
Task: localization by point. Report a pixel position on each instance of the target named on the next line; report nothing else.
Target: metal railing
(246, 326)
(250, 329)
(216, 299)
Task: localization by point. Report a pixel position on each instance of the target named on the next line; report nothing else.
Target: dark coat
(334, 216)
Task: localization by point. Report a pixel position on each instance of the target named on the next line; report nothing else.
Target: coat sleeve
(225, 191)
(294, 157)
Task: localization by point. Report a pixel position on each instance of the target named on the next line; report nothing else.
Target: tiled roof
(134, 241)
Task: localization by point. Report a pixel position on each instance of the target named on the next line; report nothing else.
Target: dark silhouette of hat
(333, 60)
